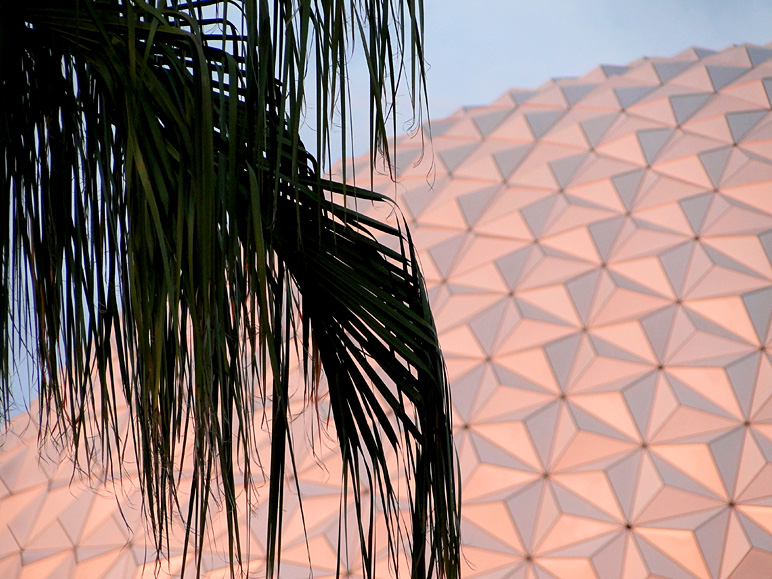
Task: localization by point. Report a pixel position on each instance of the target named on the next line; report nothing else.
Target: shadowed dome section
(599, 256)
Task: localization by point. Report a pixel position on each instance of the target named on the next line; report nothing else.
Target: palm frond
(162, 212)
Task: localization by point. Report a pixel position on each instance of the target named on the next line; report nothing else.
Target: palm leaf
(163, 213)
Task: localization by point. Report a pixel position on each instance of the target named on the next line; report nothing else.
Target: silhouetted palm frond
(161, 217)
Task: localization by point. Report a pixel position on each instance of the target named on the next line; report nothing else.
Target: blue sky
(476, 50)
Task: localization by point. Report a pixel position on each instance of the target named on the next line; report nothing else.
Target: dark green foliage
(172, 245)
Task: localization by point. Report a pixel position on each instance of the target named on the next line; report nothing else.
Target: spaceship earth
(599, 257)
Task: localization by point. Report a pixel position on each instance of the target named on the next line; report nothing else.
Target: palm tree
(161, 212)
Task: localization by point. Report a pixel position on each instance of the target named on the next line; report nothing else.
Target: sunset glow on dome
(599, 256)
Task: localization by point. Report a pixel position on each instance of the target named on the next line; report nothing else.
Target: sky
(476, 54)
(477, 50)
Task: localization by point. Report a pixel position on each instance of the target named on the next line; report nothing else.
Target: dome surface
(599, 256)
